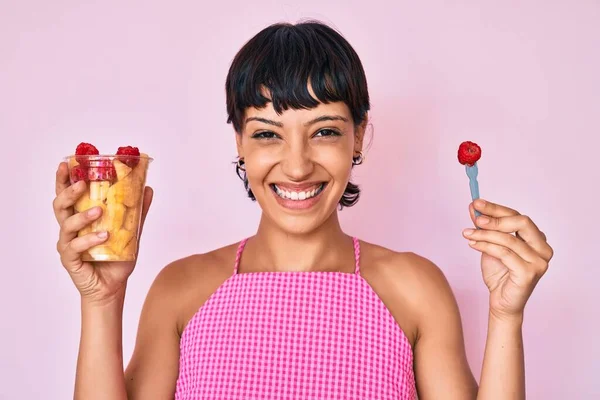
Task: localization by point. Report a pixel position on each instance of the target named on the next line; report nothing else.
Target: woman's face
(298, 163)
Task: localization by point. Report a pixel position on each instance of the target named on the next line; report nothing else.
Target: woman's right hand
(98, 282)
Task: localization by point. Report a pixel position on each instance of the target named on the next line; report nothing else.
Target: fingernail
(472, 242)
(102, 235)
(468, 232)
(483, 220)
(93, 212)
(480, 203)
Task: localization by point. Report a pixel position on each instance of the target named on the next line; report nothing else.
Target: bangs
(280, 63)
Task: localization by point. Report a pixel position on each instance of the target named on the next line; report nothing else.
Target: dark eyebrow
(264, 120)
(309, 123)
(326, 118)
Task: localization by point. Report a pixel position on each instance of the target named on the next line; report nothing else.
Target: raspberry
(85, 149)
(469, 153)
(131, 155)
(103, 170)
(78, 173)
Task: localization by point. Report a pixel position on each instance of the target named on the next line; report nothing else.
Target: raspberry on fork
(469, 153)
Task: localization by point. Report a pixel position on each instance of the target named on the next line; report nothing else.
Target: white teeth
(296, 195)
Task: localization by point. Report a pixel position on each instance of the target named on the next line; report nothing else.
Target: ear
(359, 134)
(238, 143)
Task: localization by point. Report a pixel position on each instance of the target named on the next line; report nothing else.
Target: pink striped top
(294, 335)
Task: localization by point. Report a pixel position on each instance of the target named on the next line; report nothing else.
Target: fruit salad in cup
(115, 183)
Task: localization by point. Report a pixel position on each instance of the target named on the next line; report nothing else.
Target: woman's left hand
(515, 255)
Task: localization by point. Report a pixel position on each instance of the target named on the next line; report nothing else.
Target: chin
(294, 225)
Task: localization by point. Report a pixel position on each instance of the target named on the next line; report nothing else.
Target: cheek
(259, 163)
(337, 161)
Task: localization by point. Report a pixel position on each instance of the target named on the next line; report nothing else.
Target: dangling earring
(359, 159)
(240, 168)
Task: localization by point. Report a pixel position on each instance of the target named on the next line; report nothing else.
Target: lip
(299, 205)
(297, 187)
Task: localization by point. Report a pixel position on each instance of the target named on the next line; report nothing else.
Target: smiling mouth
(293, 195)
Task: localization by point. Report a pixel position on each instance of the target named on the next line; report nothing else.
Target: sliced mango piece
(122, 169)
(99, 190)
(128, 192)
(131, 249)
(72, 163)
(141, 169)
(85, 203)
(116, 193)
(132, 216)
(119, 240)
(112, 219)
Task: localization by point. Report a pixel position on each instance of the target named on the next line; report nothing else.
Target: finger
(66, 199)
(545, 250)
(75, 223)
(472, 213)
(71, 252)
(62, 178)
(523, 226)
(508, 257)
(516, 245)
(493, 210)
(512, 261)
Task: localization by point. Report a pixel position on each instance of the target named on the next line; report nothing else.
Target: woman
(301, 309)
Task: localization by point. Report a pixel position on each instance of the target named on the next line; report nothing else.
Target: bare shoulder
(404, 263)
(188, 282)
(415, 275)
(411, 286)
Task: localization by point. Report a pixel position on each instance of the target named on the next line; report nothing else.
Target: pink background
(520, 79)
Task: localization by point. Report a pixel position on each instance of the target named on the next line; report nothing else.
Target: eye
(327, 133)
(265, 135)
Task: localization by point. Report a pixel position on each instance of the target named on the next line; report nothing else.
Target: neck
(327, 248)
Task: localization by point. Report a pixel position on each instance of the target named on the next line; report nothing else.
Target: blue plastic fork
(473, 184)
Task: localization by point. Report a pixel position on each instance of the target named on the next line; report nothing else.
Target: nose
(297, 162)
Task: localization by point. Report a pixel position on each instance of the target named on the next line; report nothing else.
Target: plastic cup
(116, 184)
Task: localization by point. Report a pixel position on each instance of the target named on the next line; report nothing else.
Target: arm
(100, 360)
(102, 286)
(503, 373)
(153, 369)
(154, 366)
(441, 367)
(515, 256)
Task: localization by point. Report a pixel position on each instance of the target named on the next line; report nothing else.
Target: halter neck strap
(356, 255)
(238, 255)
